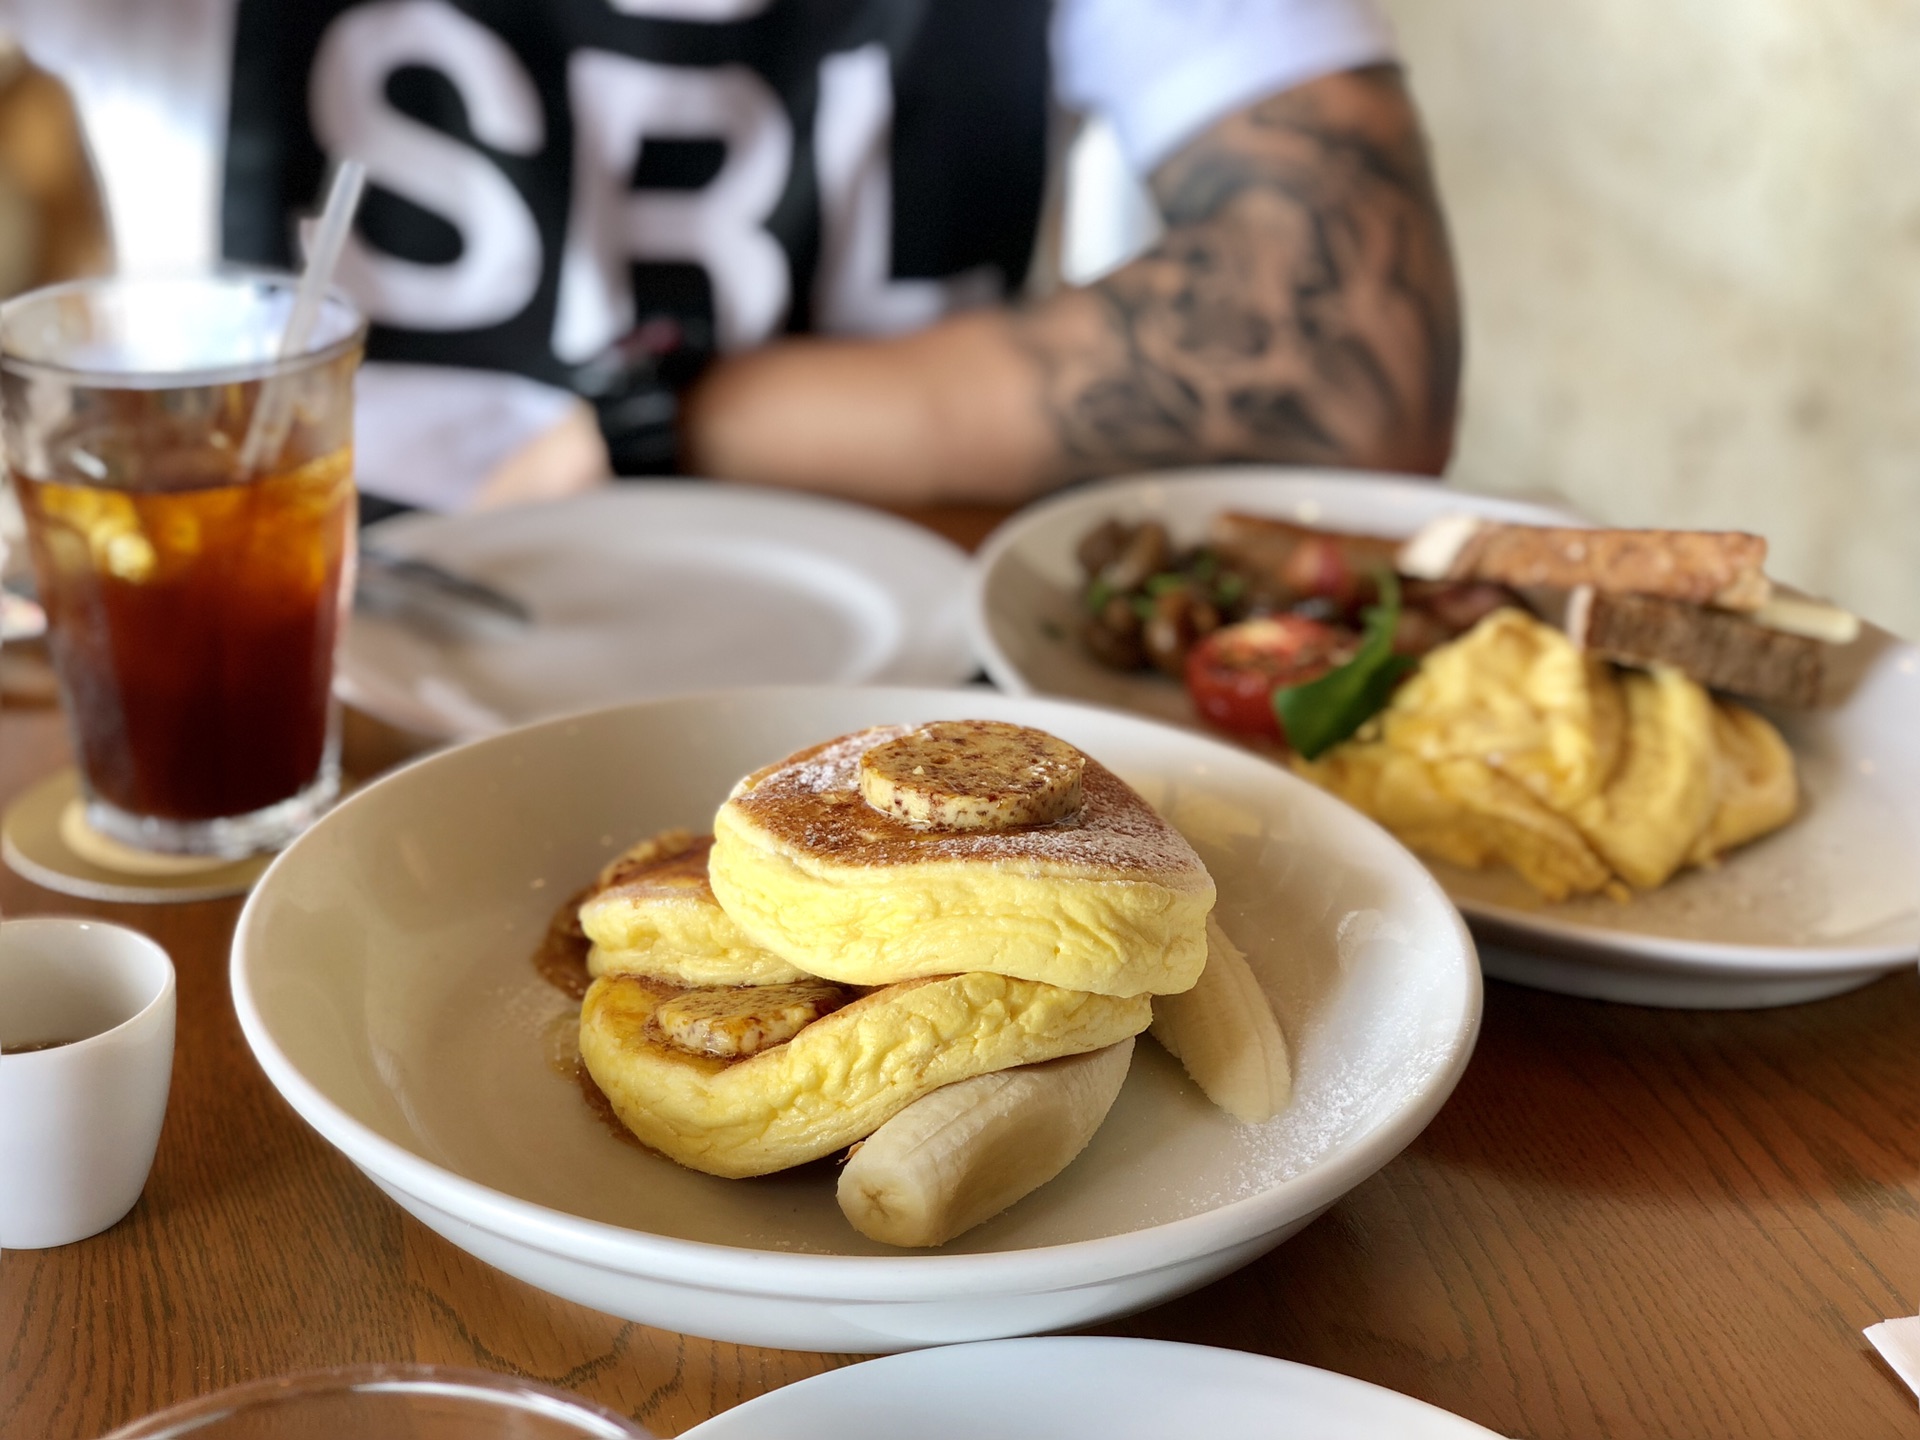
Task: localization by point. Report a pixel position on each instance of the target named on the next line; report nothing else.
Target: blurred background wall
(1689, 235)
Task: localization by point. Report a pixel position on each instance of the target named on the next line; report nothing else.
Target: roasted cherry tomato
(1232, 673)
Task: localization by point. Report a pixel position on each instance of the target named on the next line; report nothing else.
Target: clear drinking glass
(193, 592)
(386, 1402)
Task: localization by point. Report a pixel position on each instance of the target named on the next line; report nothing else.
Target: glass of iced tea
(193, 579)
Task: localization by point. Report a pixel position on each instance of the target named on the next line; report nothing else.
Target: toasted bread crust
(1721, 650)
(1725, 568)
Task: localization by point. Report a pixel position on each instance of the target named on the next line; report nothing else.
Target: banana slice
(1224, 1032)
(973, 775)
(969, 1150)
(746, 1019)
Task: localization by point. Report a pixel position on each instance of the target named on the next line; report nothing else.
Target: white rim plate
(651, 588)
(1099, 1388)
(1828, 903)
(381, 972)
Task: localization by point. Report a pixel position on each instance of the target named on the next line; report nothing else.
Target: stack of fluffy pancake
(889, 913)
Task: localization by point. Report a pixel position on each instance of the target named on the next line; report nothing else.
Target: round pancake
(1109, 899)
(652, 912)
(839, 1078)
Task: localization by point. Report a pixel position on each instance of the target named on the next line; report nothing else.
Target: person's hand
(945, 414)
(566, 458)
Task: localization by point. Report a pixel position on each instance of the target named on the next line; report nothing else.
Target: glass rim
(168, 988)
(503, 1391)
(95, 378)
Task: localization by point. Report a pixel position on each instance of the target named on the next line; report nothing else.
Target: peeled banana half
(1224, 1033)
(967, 1151)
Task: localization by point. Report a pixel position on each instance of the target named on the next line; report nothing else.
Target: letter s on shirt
(498, 269)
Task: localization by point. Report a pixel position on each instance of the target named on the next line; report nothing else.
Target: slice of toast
(1723, 568)
(1722, 650)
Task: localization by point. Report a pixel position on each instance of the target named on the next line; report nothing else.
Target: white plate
(381, 974)
(658, 588)
(1084, 1388)
(1827, 904)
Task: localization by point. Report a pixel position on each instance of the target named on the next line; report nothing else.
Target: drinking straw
(273, 411)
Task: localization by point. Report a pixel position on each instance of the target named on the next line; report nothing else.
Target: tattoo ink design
(1300, 306)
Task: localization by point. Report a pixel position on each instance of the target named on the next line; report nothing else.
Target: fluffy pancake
(841, 1076)
(652, 912)
(1108, 899)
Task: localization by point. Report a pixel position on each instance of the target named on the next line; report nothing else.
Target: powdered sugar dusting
(812, 801)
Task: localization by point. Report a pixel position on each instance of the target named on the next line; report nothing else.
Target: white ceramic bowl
(381, 972)
(1828, 903)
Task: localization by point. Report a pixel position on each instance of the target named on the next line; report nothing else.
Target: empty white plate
(1084, 1388)
(655, 588)
(1828, 903)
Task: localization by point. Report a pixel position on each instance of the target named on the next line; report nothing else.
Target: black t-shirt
(544, 175)
(558, 186)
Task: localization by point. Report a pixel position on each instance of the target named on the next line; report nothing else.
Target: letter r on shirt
(617, 102)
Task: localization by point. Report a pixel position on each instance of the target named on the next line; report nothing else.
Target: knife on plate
(414, 590)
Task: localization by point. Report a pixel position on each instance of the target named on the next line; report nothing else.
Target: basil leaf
(1321, 713)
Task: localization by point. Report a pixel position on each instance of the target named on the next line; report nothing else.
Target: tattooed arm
(1299, 308)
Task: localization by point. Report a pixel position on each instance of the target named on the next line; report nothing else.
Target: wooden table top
(1625, 1222)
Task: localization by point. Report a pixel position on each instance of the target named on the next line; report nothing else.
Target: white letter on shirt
(498, 270)
(617, 103)
(854, 291)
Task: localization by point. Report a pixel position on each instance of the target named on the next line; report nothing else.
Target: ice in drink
(193, 604)
(193, 619)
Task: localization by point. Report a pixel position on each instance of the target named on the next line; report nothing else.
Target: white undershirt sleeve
(1161, 71)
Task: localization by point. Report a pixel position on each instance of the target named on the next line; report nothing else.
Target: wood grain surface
(1625, 1223)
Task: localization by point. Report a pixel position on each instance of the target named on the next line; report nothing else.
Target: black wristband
(634, 386)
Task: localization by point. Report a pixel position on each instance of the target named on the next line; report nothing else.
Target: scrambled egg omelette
(1509, 745)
